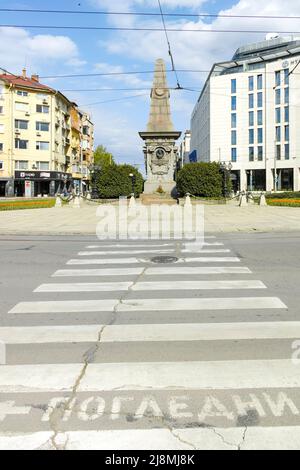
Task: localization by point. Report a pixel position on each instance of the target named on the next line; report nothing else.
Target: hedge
(285, 195)
(201, 180)
(114, 181)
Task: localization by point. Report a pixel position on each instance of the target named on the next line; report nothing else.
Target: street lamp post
(226, 169)
(93, 170)
(133, 181)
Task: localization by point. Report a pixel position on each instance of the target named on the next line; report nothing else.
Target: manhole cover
(164, 259)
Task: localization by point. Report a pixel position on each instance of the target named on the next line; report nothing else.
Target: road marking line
(150, 332)
(191, 285)
(228, 259)
(104, 261)
(65, 306)
(85, 287)
(196, 270)
(171, 304)
(127, 252)
(196, 375)
(145, 260)
(206, 251)
(98, 272)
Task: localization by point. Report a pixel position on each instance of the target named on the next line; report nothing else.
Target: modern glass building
(249, 114)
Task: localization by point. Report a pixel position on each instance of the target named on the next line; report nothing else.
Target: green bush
(114, 181)
(201, 179)
(286, 195)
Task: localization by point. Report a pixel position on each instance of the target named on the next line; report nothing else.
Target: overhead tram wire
(169, 45)
(177, 30)
(128, 13)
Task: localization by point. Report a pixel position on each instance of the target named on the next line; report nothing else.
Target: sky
(119, 115)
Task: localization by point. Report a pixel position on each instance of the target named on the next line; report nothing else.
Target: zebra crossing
(136, 355)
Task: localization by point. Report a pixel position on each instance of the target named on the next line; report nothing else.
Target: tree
(114, 181)
(200, 179)
(102, 157)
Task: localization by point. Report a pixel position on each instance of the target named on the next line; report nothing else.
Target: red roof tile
(24, 82)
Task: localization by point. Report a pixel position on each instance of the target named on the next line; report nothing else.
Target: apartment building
(40, 138)
(185, 148)
(249, 113)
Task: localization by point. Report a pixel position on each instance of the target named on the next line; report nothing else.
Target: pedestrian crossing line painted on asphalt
(85, 287)
(150, 332)
(187, 375)
(171, 304)
(191, 438)
(149, 286)
(98, 272)
(94, 247)
(196, 270)
(127, 252)
(229, 259)
(140, 305)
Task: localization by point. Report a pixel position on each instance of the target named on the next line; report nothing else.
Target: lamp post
(93, 170)
(226, 169)
(133, 181)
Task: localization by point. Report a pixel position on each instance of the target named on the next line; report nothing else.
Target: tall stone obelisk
(160, 137)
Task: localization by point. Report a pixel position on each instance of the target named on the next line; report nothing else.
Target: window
(251, 101)
(1, 128)
(278, 133)
(286, 95)
(20, 124)
(251, 154)
(278, 96)
(42, 145)
(1, 110)
(233, 103)
(233, 120)
(259, 82)
(42, 109)
(277, 115)
(286, 76)
(251, 118)
(278, 152)
(233, 137)
(259, 118)
(234, 155)
(277, 78)
(287, 151)
(22, 93)
(86, 130)
(22, 107)
(251, 83)
(260, 135)
(286, 133)
(251, 136)
(1, 162)
(21, 144)
(42, 96)
(286, 114)
(21, 165)
(43, 166)
(42, 126)
(1, 147)
(259, 100)
(260, 153)
(233, 86)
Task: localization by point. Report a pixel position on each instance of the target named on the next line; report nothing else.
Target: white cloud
(18, 47)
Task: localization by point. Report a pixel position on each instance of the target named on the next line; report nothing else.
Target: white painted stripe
(243, 374)
(120, 245)
(104, 261)
(206, 251)
(211, 260)
(117, 252)
(196, 270)
(98, 272)
(135, 305)
(256, 438)
(235, 303)
(150, 332)
(65, 306)
(190, 285)
(85, 287)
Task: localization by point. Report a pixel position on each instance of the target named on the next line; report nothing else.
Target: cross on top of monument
(160, 114)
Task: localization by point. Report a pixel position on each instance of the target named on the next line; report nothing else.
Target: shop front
(41, 183)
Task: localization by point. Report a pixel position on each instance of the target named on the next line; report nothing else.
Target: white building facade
(249, 114)
(185, 148)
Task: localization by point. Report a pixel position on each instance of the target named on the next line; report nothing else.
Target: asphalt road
(197, 354)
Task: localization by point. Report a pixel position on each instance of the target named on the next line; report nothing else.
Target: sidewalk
(83, 221)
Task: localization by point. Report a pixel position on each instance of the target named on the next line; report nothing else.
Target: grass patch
(27, 204)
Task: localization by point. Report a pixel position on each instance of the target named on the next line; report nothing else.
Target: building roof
(24, 82)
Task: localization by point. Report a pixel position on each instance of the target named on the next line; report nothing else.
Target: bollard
(89, 197)
(132, 206)
(76, 203)
(188, 200)
(58, 202)
(243, 200)
(262, 200)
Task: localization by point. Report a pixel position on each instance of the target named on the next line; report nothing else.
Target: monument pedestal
(169, 187)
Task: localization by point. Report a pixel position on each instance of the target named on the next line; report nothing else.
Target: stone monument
(160, 137)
